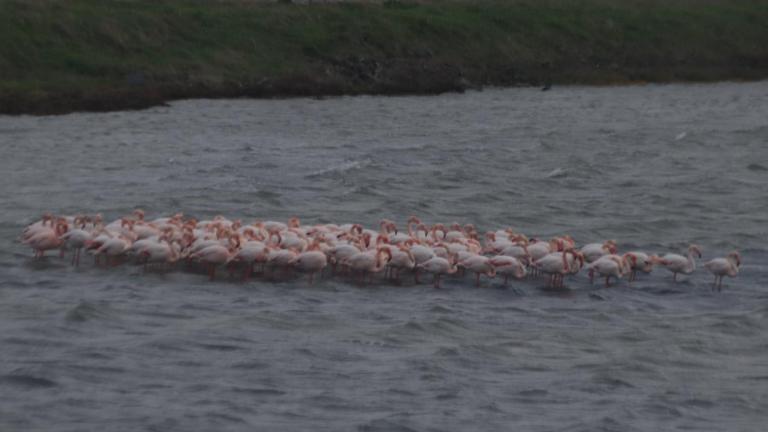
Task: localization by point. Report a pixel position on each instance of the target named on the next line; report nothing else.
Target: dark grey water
(655, 167)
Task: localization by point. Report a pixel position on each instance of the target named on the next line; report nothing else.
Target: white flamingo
(728, 266)
(508, 266)
(681, 264)
(438, 266)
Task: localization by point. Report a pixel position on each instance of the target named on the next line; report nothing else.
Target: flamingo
(438, 266)
(281, 258)
(340, 253)
(611, 265)
(680, 264)
(369, 262)
(728, 266)
(159, 252)
(46, 239)
(34, 228)
(312, 261)
(508, 266)
(213, 256)
(494, 244)
(251, 253)
(642, 262)
(76, 239)
(402, 259)
(113, 248)
(422, 254)
(593, 251)
(479, 264)
(557, 265)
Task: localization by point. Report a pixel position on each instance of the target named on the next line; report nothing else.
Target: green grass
(86, 54)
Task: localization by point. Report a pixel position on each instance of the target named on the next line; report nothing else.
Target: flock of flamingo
(278, 249)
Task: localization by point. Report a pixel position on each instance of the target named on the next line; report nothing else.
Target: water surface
(655, 167)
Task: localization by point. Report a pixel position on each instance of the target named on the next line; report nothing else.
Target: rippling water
(655, 167)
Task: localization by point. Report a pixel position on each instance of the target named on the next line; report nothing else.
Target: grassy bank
(65, 55)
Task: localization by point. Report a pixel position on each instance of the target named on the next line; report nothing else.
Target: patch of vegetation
(63, 55)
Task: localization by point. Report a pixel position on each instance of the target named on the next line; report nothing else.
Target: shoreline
(134, 101)
(83, 55)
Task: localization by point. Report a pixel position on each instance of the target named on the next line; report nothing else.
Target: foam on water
(655, 167)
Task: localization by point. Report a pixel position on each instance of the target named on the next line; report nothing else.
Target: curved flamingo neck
(565, 262)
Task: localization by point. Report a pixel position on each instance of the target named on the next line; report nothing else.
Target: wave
(340, 168)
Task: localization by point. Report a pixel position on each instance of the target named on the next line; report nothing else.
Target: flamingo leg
(212, 271)
(674, 278)
(607, 281)
(477, 280)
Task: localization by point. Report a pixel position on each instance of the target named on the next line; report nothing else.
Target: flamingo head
(609, 247)
(695, 249)
(386, 225)
(414, 220)
(392, 227)
(578, 257)
(736, 257)
(61, 228)
(630, 257)
(276, 233)
(138, 214)
(294, 222)
(384, 251)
